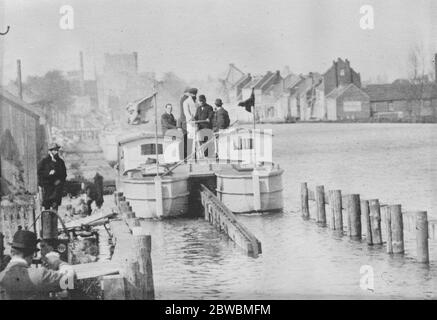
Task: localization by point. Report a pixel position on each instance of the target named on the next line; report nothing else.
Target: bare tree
(418, 78)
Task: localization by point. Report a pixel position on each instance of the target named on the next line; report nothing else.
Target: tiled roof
(400, 91)
(241, 80)
(340, 90)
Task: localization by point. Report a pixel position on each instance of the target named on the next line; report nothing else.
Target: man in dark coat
(204, 112)
(221, 116)
(51, 178)
(94, 192)
(168, 120)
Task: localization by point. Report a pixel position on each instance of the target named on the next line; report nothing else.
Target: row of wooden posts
(371, 210)
(133, 251)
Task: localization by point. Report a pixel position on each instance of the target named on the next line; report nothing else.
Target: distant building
(307, 98)
(268, 90)
(340, 74)
(403, 100)
(347, 103)
(20, 143)
(119, 83)
(236, 92)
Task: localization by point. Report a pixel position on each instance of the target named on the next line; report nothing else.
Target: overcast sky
(196, 38)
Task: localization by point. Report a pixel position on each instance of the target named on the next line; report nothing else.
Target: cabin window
(243, 143)
(149, 149)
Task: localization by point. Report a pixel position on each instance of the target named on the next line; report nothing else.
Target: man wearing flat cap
(51, 178)
(221, 116)
(21, 281)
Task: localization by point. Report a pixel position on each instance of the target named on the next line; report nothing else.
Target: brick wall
(340, 74)
(353, 96)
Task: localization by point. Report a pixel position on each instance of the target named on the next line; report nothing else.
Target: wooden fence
(369, 218)
(17, 214)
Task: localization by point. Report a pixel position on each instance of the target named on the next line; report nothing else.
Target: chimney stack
(19, 82)
(82, 74)
(435, 66)
(136, 60)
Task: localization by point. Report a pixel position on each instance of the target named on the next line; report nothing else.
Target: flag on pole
(137, 110)
(249, 103)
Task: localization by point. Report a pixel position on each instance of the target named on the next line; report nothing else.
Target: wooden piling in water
(143, 247)
(304, 201)
(397, 228)
(320, 202)
(389, 243)
(2, 249)
(375, 221)
(422, 237)
(365, 212)
(353, 211)
(335, 202)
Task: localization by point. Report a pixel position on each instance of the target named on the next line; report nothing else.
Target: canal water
(396, 163)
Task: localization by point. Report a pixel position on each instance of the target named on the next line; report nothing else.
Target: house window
(243, 143)
(342, 72)
(391, 106)
(149, 149)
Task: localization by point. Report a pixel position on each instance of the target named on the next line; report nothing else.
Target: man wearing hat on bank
(51, 178)
(22, 281)
(221, 116)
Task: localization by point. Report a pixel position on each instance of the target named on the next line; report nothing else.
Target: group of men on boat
(195, 115)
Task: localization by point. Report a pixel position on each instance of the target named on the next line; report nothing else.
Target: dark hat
(218, 102)
(24, 239)
(202, 98)
(54, 146)
(192, 91)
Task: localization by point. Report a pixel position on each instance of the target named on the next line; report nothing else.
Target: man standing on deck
(168, 120)
(51, 178)
(205, 113)
(189, 107)
(22, 281)
(221, 116)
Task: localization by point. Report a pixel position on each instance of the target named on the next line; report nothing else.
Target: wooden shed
(19, 126)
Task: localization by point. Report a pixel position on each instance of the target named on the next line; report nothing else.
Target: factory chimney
(82, 74)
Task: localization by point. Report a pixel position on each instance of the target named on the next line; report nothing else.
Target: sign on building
(352, 106)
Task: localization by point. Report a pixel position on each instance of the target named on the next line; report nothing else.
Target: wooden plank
(224, 220)
(96, 269)
(88, 220)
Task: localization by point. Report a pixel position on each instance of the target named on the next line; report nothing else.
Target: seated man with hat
(22, 281)
(51, 178)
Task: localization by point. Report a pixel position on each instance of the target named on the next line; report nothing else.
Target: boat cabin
(240, 145)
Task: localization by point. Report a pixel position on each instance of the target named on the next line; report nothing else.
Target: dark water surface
(393, 162)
